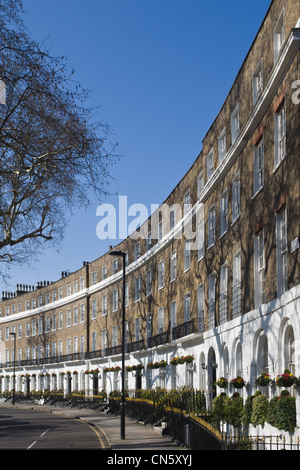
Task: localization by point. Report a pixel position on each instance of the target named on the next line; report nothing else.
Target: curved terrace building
(212, 274)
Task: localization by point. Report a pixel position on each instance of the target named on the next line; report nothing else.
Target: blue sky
(160, 70)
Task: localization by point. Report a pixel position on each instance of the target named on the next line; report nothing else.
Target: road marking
(96, 432)
(31, 445)
(44, 432)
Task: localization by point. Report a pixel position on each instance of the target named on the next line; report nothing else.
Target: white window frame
(257, 82)
(137, 329)
(126, 295)
(94, 341)
(279, 36)
(210, 164)
(236, 197)
(103, 339)
(137, 250)
(223, 293)
(187, 307)
(212, 300)
(160, 230)
(104, 272)
(259, 269)
(161, 274)
(115, 299)
(224, 213)
(280, 134)
(235, 124)
(187, 255)
(201, 303)
(115, 336)
(222, 145)
(115, 265)
(282, 251)
(236, 284)
(173, 274)
(104, 305)
(211, 226)
(258, 166)
(149, 282)
(186, 202)
(200, 183)
(94, 309)
(137, 297)
(94, 277)
(173, 315)
(161, 320)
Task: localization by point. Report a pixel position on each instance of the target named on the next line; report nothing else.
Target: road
(37, 430)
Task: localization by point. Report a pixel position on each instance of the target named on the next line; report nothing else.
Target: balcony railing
(185, 329)
(157, 340)
(188, 328)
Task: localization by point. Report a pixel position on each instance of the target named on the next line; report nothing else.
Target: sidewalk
(137, 435)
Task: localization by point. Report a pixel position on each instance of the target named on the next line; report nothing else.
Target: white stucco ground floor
(263, 340)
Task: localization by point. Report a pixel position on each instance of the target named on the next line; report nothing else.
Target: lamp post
(122, 255)
(14, 376)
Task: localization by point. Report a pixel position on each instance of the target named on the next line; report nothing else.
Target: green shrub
(260, 409)
(247, 411)
(218, 411)
(234, 410)
(271, 419)
(286, 413)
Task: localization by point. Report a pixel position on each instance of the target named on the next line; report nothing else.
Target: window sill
(257, 192)
(279, 164)
(234, 221)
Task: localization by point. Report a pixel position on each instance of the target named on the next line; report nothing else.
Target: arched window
(225, 362)
(263, 356)
(289, 350)
(263, 360)
(239, 360)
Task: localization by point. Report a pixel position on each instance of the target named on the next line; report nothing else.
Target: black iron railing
(188, 328)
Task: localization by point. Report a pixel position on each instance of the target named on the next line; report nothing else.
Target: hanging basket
(263, 380)
(222, 382)
(286, 379)
(238, 382)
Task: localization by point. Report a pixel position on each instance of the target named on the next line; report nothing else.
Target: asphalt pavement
(107, 426)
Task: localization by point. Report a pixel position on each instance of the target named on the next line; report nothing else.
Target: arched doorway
(212, 374)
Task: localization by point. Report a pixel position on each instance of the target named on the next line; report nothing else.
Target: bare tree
(53, 153)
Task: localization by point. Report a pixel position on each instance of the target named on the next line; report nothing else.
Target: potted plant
(188, 359)
(238, 382)
(286, 379)
(222, 382)
(162, 364)
(263, 380)
(174, 361)
(138, 367)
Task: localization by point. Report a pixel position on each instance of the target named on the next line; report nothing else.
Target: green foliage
(260, 409)
(272, 411)
(285, 411)
(218, 412)
(247, 411)
(234, 410)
